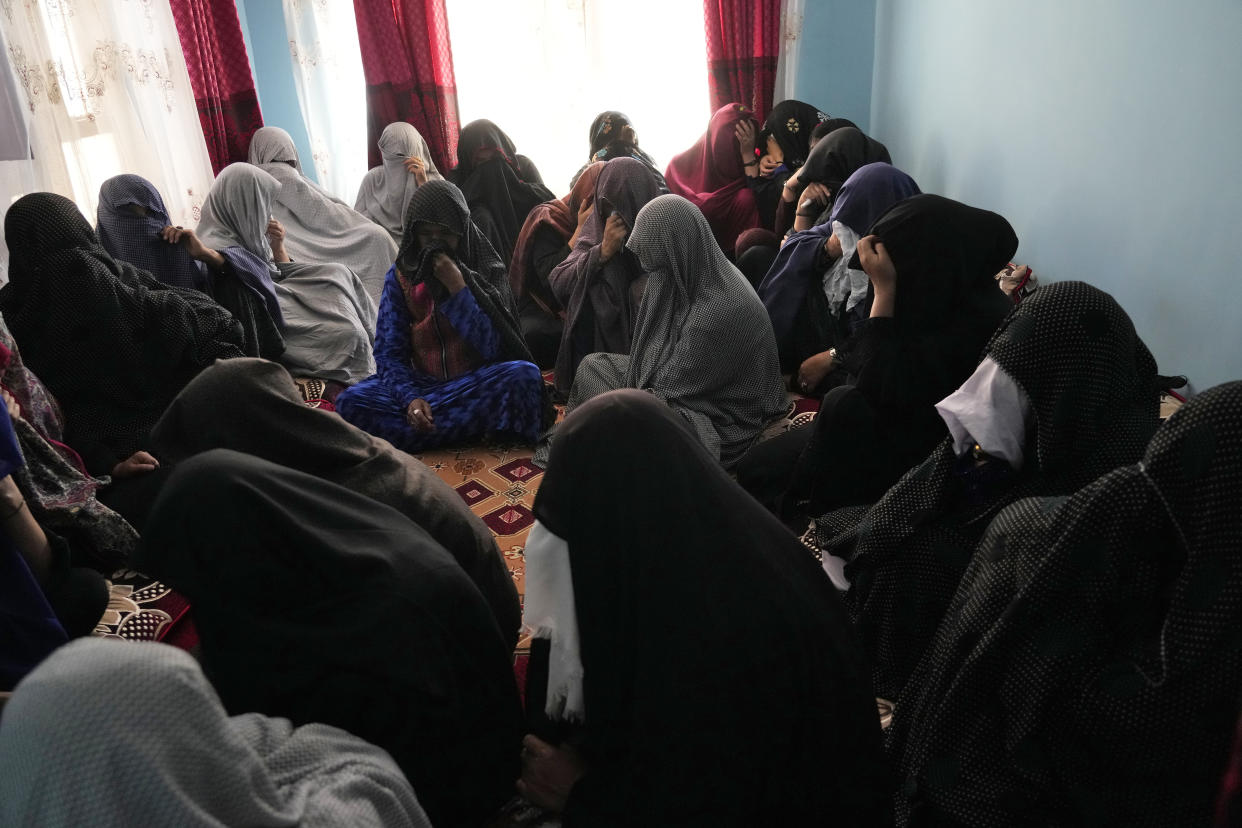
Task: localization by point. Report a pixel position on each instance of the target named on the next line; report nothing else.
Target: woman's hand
(812, 371)
(416, 167)
(190, 241)
(418, 414)
(448, 273)
(140, 462)
(745, 134)
(768, 165)
(810, 204)
(832, 247)
(793, 187)
(10, 402)
(276, 238)
(614, 236)
(816, 192)
(548, 773)
(879, 267)
(584, 215)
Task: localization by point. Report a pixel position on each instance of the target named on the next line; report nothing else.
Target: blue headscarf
(135, 238)
(865, 196)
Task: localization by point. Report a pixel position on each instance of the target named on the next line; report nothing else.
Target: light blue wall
(267, 41)
(1107, 132)
(835, 58)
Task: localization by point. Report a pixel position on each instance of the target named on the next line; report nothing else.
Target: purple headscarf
(135, 238)
(865, 196)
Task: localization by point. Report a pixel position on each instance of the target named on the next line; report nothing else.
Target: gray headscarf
(702, 340)
(237, 210)
(114, 733)
(386, 190)
(321, 228)
(329, 318)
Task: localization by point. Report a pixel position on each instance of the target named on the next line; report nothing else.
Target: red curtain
(743, 42)
(408, 66)
(215, 55)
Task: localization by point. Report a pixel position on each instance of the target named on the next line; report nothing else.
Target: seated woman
(696, 666)
(1088, 670)
(252, 406)
(453, 366)
(110, 342)
(702, 341)
(600, 284)
(319, 227)
(134, 227)
(406, 165)
(715, 174)
(500, 186)
(1066, 392)
(325, 314)
(77, 748)
(547, 238)
(613, 136)
(814, 299)
(44, 600)
(806, 199)
(318, 604)
(932, 264)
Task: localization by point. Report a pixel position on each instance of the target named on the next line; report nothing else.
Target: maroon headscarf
(561, 215)
(711, 176)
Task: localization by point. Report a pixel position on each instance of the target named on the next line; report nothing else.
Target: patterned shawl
(54, 481)
(791, 124)
(386, 190)
(1092, 385)
(319, 227)
(1089, 668)
(135, 238)
(710, 176)
(112, 344)
(115, 733)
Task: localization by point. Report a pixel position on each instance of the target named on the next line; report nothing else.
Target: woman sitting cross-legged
(453, 365)
(702, 341)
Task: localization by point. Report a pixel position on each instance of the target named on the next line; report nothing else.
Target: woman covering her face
(701, 342)
(319, 227)
(406, 165)
(501, 187)
(613, 136)
(326, 317)
(453, 365)
(600, 284)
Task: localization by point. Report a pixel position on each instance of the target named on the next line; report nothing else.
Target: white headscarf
(115, 733)
(990, 409)
(386, 190)
(321, 228)
(237, 211)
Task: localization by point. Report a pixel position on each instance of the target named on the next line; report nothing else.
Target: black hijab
(500, 190)
(253, 406)
(838, 154)
(441, 202)
(1091, 383)
(722, 683)
(1090, 666)
(791, 123)
(113, 344)
(318, 604)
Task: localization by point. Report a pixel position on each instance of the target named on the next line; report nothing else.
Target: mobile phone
(605, 208)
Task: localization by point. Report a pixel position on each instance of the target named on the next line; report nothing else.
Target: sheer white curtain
(327, 70)
(106, 92)
(543, 69)
(792, 12)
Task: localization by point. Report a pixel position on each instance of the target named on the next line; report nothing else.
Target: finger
(535, 745)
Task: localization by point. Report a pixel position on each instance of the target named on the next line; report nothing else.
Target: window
(543, 69)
